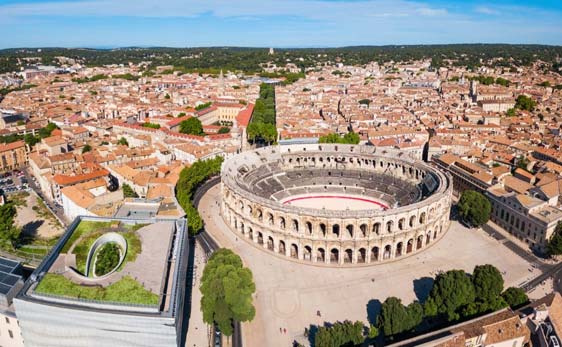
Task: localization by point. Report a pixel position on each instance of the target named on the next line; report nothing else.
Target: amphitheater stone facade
(255, 183)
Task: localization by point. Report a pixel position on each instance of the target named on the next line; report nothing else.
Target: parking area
(11, 182)
(289, 295)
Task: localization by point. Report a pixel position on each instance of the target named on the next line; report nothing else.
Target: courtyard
(290, 294)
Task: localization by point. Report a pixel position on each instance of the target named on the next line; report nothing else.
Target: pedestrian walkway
(198, 333)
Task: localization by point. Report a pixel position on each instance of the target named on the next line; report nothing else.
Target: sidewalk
(198, 333)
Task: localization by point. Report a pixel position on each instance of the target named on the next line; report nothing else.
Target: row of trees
(226, 288)
(9, 233)
(455, 296)
(190, 179)
(262, 126)
(30, 139)
(489, 80)
(349, 138)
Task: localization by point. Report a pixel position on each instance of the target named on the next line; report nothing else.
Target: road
(55, 209)
(209, 245)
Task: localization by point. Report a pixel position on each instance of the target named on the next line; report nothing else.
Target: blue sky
(275, 23)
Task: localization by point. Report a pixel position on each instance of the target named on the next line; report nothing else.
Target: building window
(11, 334)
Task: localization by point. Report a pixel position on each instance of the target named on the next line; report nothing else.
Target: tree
(339, 334)
(395, 318)
(525, 103)
(190, 179)
(451, 291)
(226, 288)
(511, 112)
(515, 297)
(554, 244)
(191, 126)
(9, 233)
(123, 141)
(128, 192)
(86, 148)
(474, 207)
(349, 138)
(224, 130)
(488, 286)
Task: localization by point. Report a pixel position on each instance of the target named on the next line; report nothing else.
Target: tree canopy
(192, 126)
(9, 233)
(226, 288)
(263, 124)
(339, 334)
(190, 179)
(395, 318)
(525, 103)
(474, 207)
(554, 244)
(128, 192)
(515, 297)
(349, 138)
(452, 291)
(123, 141)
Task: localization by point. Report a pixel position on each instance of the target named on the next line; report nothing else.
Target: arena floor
(289, 294)
(335, 202)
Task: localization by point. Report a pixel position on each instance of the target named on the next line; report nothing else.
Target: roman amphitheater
(335, 205)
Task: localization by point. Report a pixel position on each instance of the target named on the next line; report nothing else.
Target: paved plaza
(289, 294)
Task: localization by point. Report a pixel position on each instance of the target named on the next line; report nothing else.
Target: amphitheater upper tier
(335, 204)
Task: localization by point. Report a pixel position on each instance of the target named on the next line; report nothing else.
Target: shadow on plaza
(422, 288)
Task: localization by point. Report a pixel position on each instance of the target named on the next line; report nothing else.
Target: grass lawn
(126, 290)
(83, 228)
(90, 232)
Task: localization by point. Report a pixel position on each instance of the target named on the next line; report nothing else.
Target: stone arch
(401, 223)
(335, 256)
(363, 229)
(410, 246)
(309, 227)
(362, 255)
(282, 247)
(399, 249)
(322, 227)
(336, 230)
(349, 229)
(412, 221)
(422, 218)
(282, 222)
(249, 210)
(260, 238)
(270, 243)
(259, 215)
(348, 256)
(374, 254)
(321, 255)
(435, 234)
(387, 252)
(377, 228)
(294, 251)
(250, 233)
(307, 255)
(419, 244)
(428, 238)
(389, 226)
(295, 225)
(270, 219)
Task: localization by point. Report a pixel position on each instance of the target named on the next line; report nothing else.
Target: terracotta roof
(11, 146)
(244, 116)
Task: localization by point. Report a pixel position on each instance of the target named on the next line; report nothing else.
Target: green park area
(126, 290)
(106, 259)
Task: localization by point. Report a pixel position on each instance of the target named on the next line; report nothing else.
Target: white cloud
(426, 11)
(486, 10)
(310, 9)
